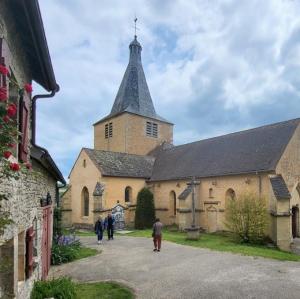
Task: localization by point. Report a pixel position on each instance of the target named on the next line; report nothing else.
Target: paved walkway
(185, 272)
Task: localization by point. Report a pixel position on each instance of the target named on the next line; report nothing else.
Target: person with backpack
(99, 230)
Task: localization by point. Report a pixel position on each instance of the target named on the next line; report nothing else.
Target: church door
(211, 213)
(295, 222)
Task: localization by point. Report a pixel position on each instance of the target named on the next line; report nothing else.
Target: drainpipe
(33, 122)
(33, 111)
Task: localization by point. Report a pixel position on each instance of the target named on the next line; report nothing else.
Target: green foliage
(64, 253)
(247, 218)
(61, 288)
(145, 210)
(57, 223)
(64, 288)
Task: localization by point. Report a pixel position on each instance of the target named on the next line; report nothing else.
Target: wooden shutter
(29, 252)
(3, 53)
(23, 127)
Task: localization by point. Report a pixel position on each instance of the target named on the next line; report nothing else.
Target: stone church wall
(114, 192)
(210, 198)
(66, 207)
(289, 166)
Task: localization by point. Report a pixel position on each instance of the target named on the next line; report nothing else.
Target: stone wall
(210, 198)
(24, 206)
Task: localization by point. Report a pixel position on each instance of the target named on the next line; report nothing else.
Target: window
(84, 163)
(229, 196)
(109, 130)
(151, 129)
(85, 201)
(210, 193)
(128, 194)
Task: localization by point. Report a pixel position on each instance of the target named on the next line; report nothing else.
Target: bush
(64, 252)
(145, 211)
(61, 288)
(247, 218)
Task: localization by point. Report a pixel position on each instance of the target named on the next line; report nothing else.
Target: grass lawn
(64, 287)
(85, 252)
(102, 290)
(221, 242)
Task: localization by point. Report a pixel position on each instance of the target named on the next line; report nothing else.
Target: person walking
(157, 234)
(109, 225)
(99, 230)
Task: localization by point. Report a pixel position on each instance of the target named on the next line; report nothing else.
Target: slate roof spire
(133, 95)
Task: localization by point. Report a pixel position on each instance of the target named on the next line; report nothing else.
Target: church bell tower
(133, 126)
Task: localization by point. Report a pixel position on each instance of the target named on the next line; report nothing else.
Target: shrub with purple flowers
(65, 250)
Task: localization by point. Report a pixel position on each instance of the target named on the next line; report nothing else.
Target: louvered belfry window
(151, 129)
(109, 130)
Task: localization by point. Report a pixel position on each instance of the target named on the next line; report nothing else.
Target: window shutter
(2, 62)
(29, 252)
(23, 127)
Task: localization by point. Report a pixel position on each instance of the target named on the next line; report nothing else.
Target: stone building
(133, 148)
(25, 245)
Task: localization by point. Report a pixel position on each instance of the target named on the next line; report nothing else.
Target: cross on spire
(135, 28)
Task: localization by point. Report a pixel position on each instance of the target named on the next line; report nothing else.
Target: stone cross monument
(193, 231)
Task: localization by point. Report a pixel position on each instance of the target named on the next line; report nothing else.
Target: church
(133, 148)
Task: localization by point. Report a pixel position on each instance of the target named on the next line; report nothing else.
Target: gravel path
(184, 272)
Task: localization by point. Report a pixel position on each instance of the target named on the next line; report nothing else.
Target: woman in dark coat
(99, 230)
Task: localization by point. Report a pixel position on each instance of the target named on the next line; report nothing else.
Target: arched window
(210, 192)
(173, 207)
(84, 163)
(230, 194)
(85, 201)
(128, 194)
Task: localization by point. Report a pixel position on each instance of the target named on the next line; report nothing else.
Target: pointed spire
(133, 95)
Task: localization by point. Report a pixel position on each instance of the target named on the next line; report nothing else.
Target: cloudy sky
(213, 67)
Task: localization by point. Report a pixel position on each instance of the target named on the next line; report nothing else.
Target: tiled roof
(279, 187)
(254, 150)
(121, 164)
(134, 95)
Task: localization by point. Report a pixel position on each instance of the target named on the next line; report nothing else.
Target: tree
(145, 210)
(247, 217)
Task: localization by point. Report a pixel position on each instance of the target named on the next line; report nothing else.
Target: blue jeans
(100, 235)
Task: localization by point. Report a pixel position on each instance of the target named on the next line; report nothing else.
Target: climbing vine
(10, 168)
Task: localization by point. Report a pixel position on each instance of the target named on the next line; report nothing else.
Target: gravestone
(118, 214)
